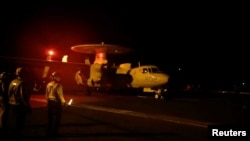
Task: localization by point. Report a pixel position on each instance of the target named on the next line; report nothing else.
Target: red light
(51, 52)
(100, 55)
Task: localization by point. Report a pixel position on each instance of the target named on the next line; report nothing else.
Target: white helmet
(56, 76)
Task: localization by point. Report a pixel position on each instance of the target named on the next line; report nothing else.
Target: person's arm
(60, 94)
(47, 93)
(25, 94)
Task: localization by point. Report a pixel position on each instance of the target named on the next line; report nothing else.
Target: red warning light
(51, 52)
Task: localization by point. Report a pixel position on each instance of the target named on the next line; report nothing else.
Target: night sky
(197, 37)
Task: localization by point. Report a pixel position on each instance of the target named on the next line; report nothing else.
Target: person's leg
(49, 118)
(58, 114)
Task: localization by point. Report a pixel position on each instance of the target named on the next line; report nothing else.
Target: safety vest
(51, 92)
(15, 92)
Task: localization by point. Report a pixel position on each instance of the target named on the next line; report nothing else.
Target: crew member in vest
(55, 101)
(19, 102)
(4, 100)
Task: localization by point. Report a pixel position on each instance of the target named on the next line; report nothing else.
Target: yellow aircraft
(149, 78)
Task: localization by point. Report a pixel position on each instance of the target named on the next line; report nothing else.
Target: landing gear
(159, 93)
(158, 96)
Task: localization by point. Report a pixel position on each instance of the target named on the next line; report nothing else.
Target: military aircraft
(99, 75)
(107, 76)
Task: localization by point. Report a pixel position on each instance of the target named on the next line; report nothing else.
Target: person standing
(55, 101)
(4, 84)
(19, 102)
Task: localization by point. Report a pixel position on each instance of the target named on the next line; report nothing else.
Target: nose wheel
(159, 93)
(157, 96)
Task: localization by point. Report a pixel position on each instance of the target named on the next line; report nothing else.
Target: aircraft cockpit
(151, 69)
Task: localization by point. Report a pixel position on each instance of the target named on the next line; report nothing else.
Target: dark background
(208, 40)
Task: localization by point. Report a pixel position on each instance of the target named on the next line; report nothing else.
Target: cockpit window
(145, 70)
(151, 70)
(154, 70)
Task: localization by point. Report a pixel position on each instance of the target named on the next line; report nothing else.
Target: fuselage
(148, 76)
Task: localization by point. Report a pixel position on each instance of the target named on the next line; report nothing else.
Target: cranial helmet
(19, 71)
(55, 76)
(2, 75)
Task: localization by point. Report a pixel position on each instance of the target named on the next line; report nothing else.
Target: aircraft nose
(164, 78)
